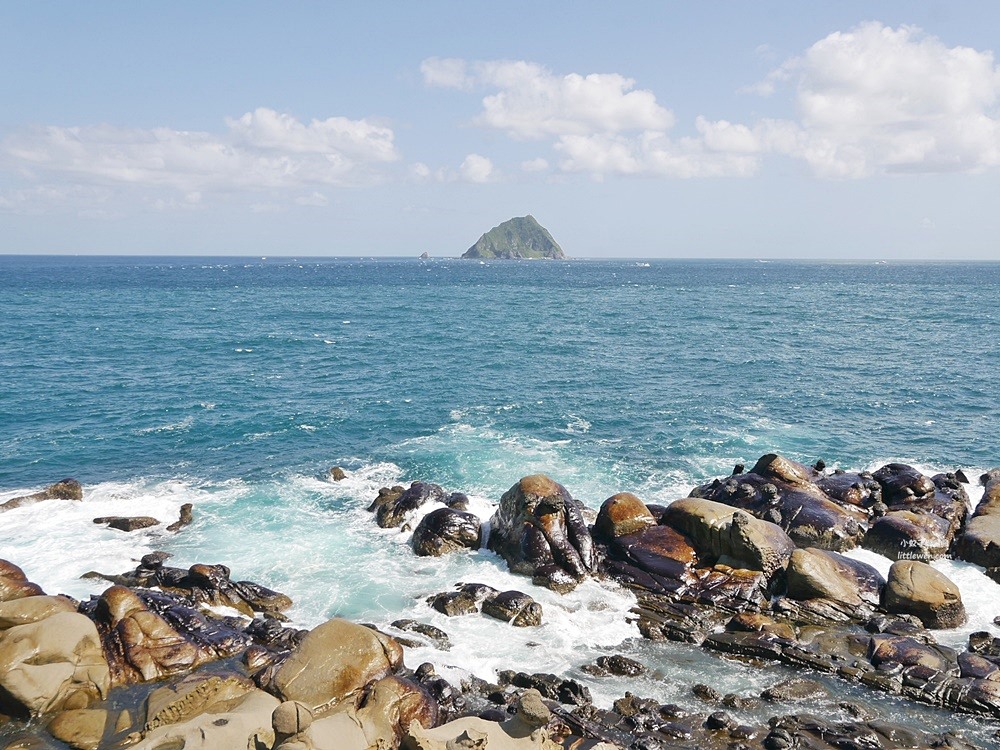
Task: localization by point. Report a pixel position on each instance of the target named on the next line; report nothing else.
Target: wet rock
(152, 636)
(393, 510)
(618, 665)
(457, 501)
(706, 693)
(468, 599)
(548, 686)
(909, 652)
(794, 690)
(539, 530)
(290, 720)
(980, 542)
(437, 636)
(621, 515)
(14, 584)
(982, 642)
(976, 666)
(202, 585)
(154, 560)
(66, 489)
(752, 622)
(334, 660)
(53, 664)
(386, 496)
(127, 523)
(719, 531)
(514, 607)
(32, 609)
(905, 535)
(81, 729)
(720, 720)
(191, 696)
(337, 474)
(815, 573)
(244, 722)
(784, 492)
(446, 530)
(185, 519)
(902, 484)
(271, 633)
(658, 558)
(851, 488)
(915, 588)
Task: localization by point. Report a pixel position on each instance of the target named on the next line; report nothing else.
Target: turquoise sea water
(236, 383)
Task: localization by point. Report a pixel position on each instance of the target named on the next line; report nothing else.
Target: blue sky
(724, 129)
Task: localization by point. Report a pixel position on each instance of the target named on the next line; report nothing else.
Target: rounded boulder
(335, 660)
(621, 515)
(915, 588)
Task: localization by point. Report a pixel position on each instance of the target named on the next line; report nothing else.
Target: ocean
(236, 383)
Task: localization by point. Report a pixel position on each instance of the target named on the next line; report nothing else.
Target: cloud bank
(873, 100)
(263, 149)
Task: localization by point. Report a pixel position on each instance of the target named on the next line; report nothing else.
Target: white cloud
(650, 154)
(878, 99)
(532, 102)
(42, 198)
(870, 100)
(598, 124)
(535, 165)
(312, 199)
(262, 149)
(448, 73)
(266, 130)
(476, 168)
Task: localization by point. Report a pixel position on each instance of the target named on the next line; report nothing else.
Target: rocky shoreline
(750, 566)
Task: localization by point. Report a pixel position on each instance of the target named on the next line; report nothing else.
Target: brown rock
(622, 514)
(723, 532)
(334, 660)
(14, 584)
(915, 588)
(515, 607)
(337, 474)
(127, 523)
(32, 609)
(905, 535)
(540, 530)
(186, 517)
(81, 729)
(815, 573)
(980, 543)
(52, 664)
(141, 645)
(66, 489)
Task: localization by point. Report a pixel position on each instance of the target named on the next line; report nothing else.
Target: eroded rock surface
(540, 531)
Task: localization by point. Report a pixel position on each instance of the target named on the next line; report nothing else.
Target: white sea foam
(56, 541)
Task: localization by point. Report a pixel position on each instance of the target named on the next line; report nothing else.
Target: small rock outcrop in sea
(446, 530)
(540, 531)
(185, 518)
(394, 506)
(127, 523)
(515, 607)
(521, 237)
(66, 489)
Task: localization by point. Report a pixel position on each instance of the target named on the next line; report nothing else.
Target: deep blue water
(220, 367)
